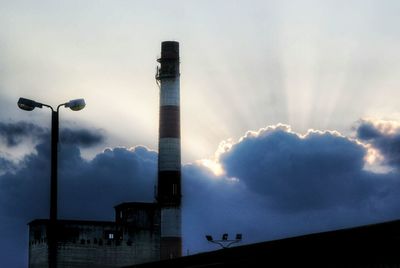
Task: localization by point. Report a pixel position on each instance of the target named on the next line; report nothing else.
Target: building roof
(80, 222)
(371, 245)
(136, 205)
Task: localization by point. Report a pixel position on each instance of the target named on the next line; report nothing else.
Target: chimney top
(170, 50)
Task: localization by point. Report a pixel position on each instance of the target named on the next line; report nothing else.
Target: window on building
(109, 235)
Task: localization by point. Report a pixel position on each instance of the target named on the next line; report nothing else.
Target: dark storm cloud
(319, 170)
(91, 189)
(27, 186)
(13, 133)
(367, 131)
(6, 165)
(114, 174)
(82, 137)
(279, 183)
(384, 136)
(87, 189)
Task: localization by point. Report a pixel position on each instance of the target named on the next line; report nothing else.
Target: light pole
(75, 105)
(224, 242)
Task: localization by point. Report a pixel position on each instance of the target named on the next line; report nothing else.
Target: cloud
(87, 189)
(277, 183)
(367, 131)
(383, 136)
(294, 172)
(81, 137)
(13, 133)
(274, 183)
(6, 165)
(28, 183)
(112, 177)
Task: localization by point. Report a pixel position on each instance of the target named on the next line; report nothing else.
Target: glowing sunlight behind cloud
(212, 165)
(243, 66)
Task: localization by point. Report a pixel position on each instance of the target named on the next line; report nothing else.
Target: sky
(289, 109)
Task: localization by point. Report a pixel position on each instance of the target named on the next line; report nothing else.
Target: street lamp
(75, 105)
(224, 242)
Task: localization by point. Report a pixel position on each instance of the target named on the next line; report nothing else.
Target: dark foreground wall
(375, 245)
(133, 238)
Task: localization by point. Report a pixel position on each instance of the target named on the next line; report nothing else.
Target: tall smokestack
(169, 151)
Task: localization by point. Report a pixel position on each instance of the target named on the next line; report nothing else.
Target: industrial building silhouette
(141, 232)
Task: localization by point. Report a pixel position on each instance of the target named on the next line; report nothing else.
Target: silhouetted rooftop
(375, 245)
(136, 204)
(62, 222)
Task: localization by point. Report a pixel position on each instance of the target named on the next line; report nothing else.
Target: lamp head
(28, 105)
(76, 105)
(209, 238)
(225, 237)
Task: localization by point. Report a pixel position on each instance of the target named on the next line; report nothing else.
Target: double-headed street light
(224, 242)
(75, 105)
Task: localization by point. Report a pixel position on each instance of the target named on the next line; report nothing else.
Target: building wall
(99, 244)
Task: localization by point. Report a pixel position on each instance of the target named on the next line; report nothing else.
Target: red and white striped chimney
(169, 151)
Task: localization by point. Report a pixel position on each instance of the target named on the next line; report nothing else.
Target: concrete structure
(142, 232)
(169, 151)
(366, 246)
(133, 238)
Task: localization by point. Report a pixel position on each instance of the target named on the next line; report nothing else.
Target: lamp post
(224, 242)
(75, 105)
